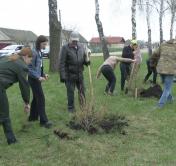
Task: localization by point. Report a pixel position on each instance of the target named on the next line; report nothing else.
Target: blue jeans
(166, 95)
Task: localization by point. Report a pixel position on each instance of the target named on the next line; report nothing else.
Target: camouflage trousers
(4, 116)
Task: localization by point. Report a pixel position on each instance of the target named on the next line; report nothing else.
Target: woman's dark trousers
(108, 73)
(125, 69)
(38, 102)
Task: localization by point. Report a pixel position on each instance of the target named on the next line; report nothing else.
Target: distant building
(14, 36)
(113, 42)
(65, 36)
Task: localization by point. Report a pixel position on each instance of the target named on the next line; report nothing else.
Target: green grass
(150, 139)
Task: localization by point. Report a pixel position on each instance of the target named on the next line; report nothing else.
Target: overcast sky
(79, 14)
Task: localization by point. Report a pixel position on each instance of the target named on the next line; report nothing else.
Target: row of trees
(160, 6)
(146, 6)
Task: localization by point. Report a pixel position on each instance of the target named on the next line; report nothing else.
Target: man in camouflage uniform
(13, 69)
(166, 67)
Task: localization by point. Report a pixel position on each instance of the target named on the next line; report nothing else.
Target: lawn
(150, 139)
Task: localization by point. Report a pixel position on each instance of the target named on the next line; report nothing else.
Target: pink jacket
(112, 61)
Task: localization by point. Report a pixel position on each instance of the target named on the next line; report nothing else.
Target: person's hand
(26, 108)
(134, 60)
(46, 76)
(42, 79)
(62, 80)
(87, 63)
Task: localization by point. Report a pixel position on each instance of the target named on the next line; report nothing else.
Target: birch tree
(145, 5)
(100, 31)
(172, 7)
(148, 12)
(55, 36)
(133, 18)
(159, 5)
(161, 12)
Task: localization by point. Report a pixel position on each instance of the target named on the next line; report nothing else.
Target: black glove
(87, 63)
(62, 80)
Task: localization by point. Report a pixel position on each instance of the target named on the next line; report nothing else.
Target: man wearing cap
(72, 60)
(125, 67)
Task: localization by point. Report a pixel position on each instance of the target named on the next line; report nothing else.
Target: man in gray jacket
(72, 60)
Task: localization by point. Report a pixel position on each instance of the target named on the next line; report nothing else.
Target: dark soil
(62, 135)
(113, 123)
(107, 124)
(153, 91)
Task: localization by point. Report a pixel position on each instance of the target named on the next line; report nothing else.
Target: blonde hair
(26, 51)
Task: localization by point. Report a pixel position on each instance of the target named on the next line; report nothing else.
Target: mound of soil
(114, 123)
(62, 135)
(153, 91)
(107, 124)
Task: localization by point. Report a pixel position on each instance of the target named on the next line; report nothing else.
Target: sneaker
(32, 119)
(47, 125)
(11, 141)
(112, 94)
(105, 93)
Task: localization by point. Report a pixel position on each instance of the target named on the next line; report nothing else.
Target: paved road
(117, 53)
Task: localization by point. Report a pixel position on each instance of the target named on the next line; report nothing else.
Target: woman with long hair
(36, 76)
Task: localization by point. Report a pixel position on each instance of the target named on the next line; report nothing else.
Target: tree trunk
(172, 25)
(172, 5)
(133, 19)
(100, 31)
(55, 36)
(149, 29)
(161, 20)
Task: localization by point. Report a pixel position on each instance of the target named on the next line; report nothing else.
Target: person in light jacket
(107, 69)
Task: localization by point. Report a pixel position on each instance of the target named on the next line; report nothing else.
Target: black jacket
(72, 61)
(127, 53)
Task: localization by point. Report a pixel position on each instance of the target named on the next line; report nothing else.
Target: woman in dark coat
(13, 69)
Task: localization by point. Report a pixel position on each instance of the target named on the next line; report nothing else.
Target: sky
(79, 15)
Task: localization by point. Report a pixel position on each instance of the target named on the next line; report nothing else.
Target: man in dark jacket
(125, 67)
(13, 69)
(72, 60)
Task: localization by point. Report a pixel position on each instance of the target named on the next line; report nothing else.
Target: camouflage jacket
(165, 58)
(12, 72)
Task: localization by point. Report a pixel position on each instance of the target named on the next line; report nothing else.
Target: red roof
(110, 40)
